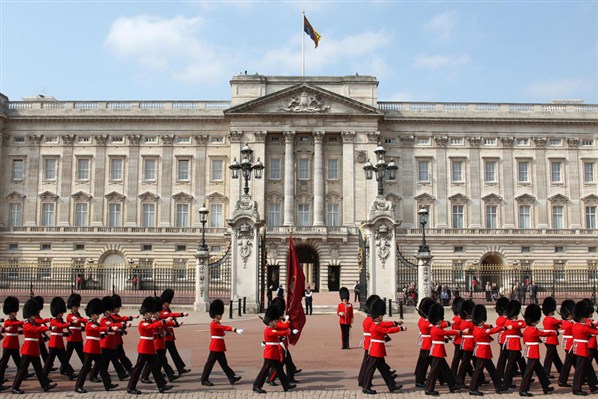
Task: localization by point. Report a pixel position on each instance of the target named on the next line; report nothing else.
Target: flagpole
(302, 43)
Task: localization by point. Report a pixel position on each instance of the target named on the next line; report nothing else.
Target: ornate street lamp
(246, 167)
(423, 220)
(381, 168)
(203, 218)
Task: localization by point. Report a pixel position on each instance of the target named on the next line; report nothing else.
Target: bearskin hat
(501, 305)
(370, 301)
(57, 306)
(548, 306)
(279, 304)
(148, 305)
(158, 304)
(73, 301)
(344, 293)
(513, 308)
(456, 306)
(436, 313)
(479, 315)
(590, 307)
(40, 302)
(378, 308)
(216, 308)
(580, 311)
(532, 314)
(272, 314)
(167, 295)
(424, 306)
(107, 303)
(94, 306)
(117, 301)
(466, 309)
(11, 304)
(31, 308)
(567, 308)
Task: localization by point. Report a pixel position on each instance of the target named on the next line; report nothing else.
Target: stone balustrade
(117, 105)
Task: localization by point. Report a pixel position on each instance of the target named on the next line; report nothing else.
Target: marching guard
(10, 344)
(424, 341)
(467, 343)
(551, 323)
(43, 337)
(283, 323)
(56, 344)
(566, 312)
(582, 332)
(345, 312)
(513, 342)
(118, 335)
(501, 310)
(74, 341)
(456, 325)
(167, 297)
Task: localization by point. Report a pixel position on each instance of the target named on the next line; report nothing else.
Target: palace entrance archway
(310, 262)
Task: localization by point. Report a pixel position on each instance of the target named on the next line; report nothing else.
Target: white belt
(377, 341)
(425, 336)
(367, 334)
(512, 336)
(567, 336)
(11, 335)
(532, 343)
(482, 343)
(32, 339)
(438, 342)
(581, 340)
(94, 338)
(57, 334)
(215, 337)
(75, 328)
(272, 343)
(550, 330)
(110, 333)
(147, 338)
(467, 336)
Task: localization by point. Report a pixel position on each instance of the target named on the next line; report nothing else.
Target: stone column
(133, 180)
(289, 179)
(540, 212)
(65, 182)
(99, 183)
(443, 167)
(476, 176)
(234, 137)
(318, 179)
(200, 177)
(258, 186)
(424, 270)
(33, 182)
(509, 180)
(348, 183)
(166, 177)
(202, 301)
(574, 218)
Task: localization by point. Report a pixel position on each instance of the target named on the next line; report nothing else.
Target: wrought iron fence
(220, 277)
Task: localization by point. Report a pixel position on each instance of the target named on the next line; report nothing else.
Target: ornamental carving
(201, 139)
(235, 136)
(35, 138)
(306, 103)
(407, 141)
(81, 196)
(348, 137)
(383, 239)
(68, 139)
(134, 139)
(474, 141)
(507, 141)
(5, 139)
(373, 137)
(148, 196)
(573, 142)
(101, 139)
(167, 139)
(182, 197)
(540, 141)
(48, 196)
(441, 140)
(244, 235)
(15, 195)
(114, 196)
(260, 136)
(360, 156)
(289, 136)
(318, 136)
(202, 271)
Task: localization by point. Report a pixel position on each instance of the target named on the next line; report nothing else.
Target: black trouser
(345, 328)
(423, 361)
(478, 374)
(37, 366)
(43, 350)
(533, 365)
(566, 370)
(439, 367)
(287, 361)
(552, 356)
(593, 354)
(163, 362)
(465, 366)
(221, 358)
(6, 355)
(59, 353)
(512, 358)
(502, 361)
(364, 363)
(456, 359)
(74, 347)
(583, 372)
(142, 359)
(123, 359)
(174, 355)
(109, 355)
(98, 360)
(308, 306)
(373, 364)
(263, 374)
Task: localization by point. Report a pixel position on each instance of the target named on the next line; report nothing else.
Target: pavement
(328, 371)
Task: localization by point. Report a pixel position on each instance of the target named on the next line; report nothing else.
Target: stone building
(122, 181)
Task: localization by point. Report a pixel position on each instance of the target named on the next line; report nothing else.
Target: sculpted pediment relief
(492, 199)
(181, 196)
(114, 196)
(216, 197)
(558, 199)
(15, 195)
(458, 199)
(80, 195)
(425, 199)
(148, 196)
(526, 199)
(591, 199)
(47, 195)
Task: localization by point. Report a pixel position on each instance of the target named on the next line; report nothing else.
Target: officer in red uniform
(566, 313)
(513, 342)
(43, 338)
(582, 332)
(344, 311)
(367, 323)
(456, 325)
(592, 343)
(551, 323)
(74, 341)
(483, 352)
(286, 358)
(167, 297)
(120, 350)
(30, 352)
(424, 341)
(58, 329)
(217, 345)
(10, 344)
(467, 342)
(531, 339)
(501, 310)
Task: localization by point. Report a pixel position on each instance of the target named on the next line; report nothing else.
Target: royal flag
(295, 292)
(311, 32)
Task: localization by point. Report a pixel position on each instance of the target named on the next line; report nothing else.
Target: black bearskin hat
(548, 306)
(479, 315)
(117, 301)
(424, 306)
(158, 304)
(73, 301)
(532, 314)
(344, 293)
(513, 308)
(370, 301)
(57, 306)
(378, 308)
(167, 295)
(31, 308)
(40, 302)
(501, 305)
(272, 314)
(148, 305)
(107, 303)
(11, 304)
(436, 313)
(456, 306)
(567, 308)
(280, 305)
(590, 307)
(94, 306)
(580, 311)
(466, 309)
(216, 308)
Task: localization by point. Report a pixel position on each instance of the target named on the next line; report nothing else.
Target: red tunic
(166, 313)
(467, 342)
(160, 334)
(456, 325)
(146, 329)
(217, 330)
(40, 321)
(76, 328)
(551, 324)
(581, 334)
(567, 327)
(438, 333)
(108, 340)
(512, 337)
(592, 339)
(481, 335)
(118, 336)
(425, 339)
(271, 335)
(500, 322)
(377, 342)
(11, 339)
(93, 330)
(531, 339)
(347, 309)
(32, 333)
(57, 327)
(367, 323)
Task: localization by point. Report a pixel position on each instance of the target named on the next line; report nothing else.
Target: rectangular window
(489, 141)
(149, 169)
(85, 139)
(151, 140)
(81, 214)
(303, 172)
(526, 249)
(48, 218)
(332, 169)
(15, 213)
(422, 141)
(522, 142)
(274, 215)
(423, 171)
(587, 142)
(523, 171)
(182, 215)
(333, 215)
(18, 169)
(491, 216)
(458, 216)
(274, 169)
(117, 139)
(216, 140)
(183, 170)
(50, 169)
(554, 142)
(116, 169)
(524, 217)
(588, 172)
(114, 218)
(216, 173)
(183, 139)
(149, 215)
(83, 169)
(556, 171)
(456, 141)
(557, 217)
(490, 171)
(303, 215)
(216, 215)
(457, 171)
(590, 217)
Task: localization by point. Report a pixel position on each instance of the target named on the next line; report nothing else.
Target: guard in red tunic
(58, 329)
(483, 352)
(592, 343)
(513, 342)
(120, 350)
(582, 332)
(467, 342)
(377, 349)
(170, 339)
(74, 341)
(424, 342)
(10, 344)
(286, 358)
(93, 353)
(551, 323)
(456, 325)
(30, 353)
(217, 345)
(501, 310)
(344, 311)
(532, 339)
(43, 338)
(566, 313)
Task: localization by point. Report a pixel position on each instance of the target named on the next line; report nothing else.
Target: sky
(439, 51)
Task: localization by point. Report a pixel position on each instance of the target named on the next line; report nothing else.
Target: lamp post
(203, 218)
(380, 168)
(246, 167)
(423, 220)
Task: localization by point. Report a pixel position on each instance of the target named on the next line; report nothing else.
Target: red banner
(295, 292)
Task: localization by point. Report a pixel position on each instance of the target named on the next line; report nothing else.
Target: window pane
(588, 172)
(48, 214)
(458, 216)
(116, 169)
(149, 169)
(522, 169)
(114, 215)
(333, 215)
(50, 169)
(303, 173)
(273, 214)
(183, 169)
(524, 217)
(15, 214)
(80, 214)
(216, 217)
(457, 171)
(217, 169)
(423, 171)
(83, 169)
(274, 169)
(303, 215)
(182, 215)
(557, 217)
(555, 172)
(491, 216)
(149, 215)
(490, 171)
(332, 169)
(18, 169)
(590, 217)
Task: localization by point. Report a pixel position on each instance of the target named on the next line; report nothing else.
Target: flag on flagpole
(295, 292)
(311, 32)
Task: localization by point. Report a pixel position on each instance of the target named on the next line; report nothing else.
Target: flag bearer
(345, 312)
(550, 323)
(56, 344)
(283, 323)
(10, 344)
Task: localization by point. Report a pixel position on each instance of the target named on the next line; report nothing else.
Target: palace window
(150, 166)
(274, 169)
(303, 215)
(332, 170)
(490, 171)
(523, 172)
(422, 141)
(114, 215)
(217, 139)
(303, 169)
(555, 142)
(182, 215)
(524, 216)
(490, 141)
(557, 217)
(50, 168)
(588, 172)
(457, 171)
(216, 215)
(273, 215)
(556, 171)
(15, 214)
(522, 142)
(116, 169)
(591, 217)
(81, 214)
(456, 141)
(149, 215)
(333, 214)
(587, 142)
(216, 173)
(83, 169)
(18, 169)
(458, 216)
(423, 171)
(48, 214)
(150, 139)
(491, 216)
(183, 170)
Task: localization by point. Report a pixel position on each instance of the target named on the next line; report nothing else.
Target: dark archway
(491, 265)
(310, 263)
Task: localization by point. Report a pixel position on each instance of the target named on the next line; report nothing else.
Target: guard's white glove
(185, 314)
(263, 344)
(287, 317)
(295, 331)
(239, 331)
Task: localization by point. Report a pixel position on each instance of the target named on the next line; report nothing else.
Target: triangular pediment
(181, 196)
(458, 199)
(558, 199)
(492, 199)
(526, 199)
(15, 195)
(149, 196)
(591, 199)
(81, 196)
(114, 196)
(48, 196)
(304, 99)
(425, 199)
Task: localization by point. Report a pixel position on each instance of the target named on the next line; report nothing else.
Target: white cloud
(441, 61)
(558, 89)
(441, 25)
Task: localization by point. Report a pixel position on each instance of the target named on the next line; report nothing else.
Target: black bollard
(230, 310)
(240, 309)
(390, 308)
(401, 310)
(244, 305)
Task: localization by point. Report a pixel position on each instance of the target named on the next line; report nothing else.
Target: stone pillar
(258, 186)
(476, 175)
(575, 219)
(99, 183)
(509, 181)
(200, 177)
(168, 164)
(318, 179)
(234, 137)
(540, 212)
(443, 167)
(65, 182)
(133, 180)
(289, 179)
(424, 271)
(202, 301)
(34, 158)
(348, 183)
